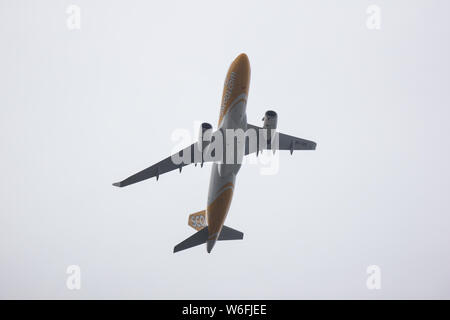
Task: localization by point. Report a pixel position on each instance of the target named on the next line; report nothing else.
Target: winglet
(117, 184)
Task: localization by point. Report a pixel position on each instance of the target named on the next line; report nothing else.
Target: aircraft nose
(242, 61)
(209, 245)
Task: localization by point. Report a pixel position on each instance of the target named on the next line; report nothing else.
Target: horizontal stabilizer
(196, 239)
(201, 237)
(228, 233)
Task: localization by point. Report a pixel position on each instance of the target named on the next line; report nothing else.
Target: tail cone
(209, 245)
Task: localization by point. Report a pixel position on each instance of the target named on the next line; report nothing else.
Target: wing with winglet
(191, 154)
(280, 141)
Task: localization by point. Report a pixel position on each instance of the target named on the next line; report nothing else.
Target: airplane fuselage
(225, 148)
(223, 175)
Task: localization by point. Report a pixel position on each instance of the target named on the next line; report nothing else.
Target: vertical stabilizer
(197, 220)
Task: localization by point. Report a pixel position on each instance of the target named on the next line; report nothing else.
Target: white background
(80, 109)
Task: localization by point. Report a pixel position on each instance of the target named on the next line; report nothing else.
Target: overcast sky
(82, 108)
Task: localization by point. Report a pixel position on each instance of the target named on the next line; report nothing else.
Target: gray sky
(80, 109)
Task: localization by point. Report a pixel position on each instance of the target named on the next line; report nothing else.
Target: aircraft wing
(191, 154)
(285, 142)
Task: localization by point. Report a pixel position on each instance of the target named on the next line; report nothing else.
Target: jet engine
(205, 132)
(270, 120)
(204, 138)
(270, 124)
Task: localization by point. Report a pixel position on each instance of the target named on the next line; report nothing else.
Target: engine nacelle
(205, 133)
(204, 138)
(270, 120)
(270, 124)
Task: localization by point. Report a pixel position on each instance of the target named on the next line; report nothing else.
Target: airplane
(209, 223)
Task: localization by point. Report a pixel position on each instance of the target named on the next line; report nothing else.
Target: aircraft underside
(225, 149)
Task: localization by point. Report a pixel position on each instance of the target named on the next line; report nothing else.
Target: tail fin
(201, 237)
(197, 220)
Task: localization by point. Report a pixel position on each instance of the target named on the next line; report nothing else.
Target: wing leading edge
(282, 142)
(191, 154)
(194, 154)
